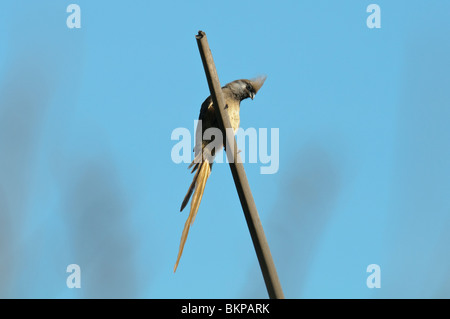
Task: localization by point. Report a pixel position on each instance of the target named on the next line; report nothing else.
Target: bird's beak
(252, 95)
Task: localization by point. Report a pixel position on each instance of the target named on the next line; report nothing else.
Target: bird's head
(243, 89)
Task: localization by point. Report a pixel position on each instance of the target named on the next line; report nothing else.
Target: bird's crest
(258, 82)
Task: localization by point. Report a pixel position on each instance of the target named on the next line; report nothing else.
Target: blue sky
(86, 176)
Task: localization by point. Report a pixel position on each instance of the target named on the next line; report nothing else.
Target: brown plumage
(233, 93)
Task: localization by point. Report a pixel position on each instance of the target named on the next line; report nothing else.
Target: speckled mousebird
(233, 93)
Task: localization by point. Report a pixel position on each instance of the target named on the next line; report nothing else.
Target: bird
(233, 93)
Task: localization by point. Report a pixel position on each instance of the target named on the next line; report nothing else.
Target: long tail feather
(197, 198)
(196, 164)
(189, 192)
(196, 160)
(199, 182)
(194, 168)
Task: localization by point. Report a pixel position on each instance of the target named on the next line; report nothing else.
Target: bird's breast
(233, 113)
